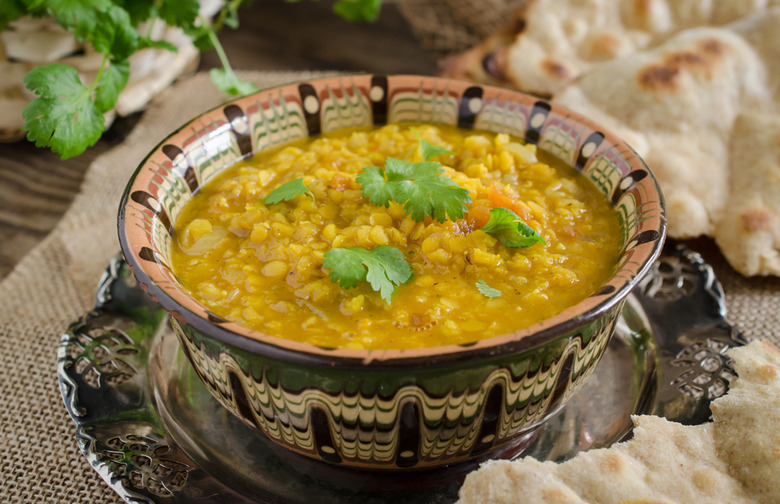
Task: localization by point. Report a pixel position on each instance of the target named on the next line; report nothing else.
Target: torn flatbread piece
(691, 108)
(749, 230)
(734, 459)
(548, 43)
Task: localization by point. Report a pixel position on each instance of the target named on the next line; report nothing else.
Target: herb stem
(152, 22)
(99, 73)
(223, 59)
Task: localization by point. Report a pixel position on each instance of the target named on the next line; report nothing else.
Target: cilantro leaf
(425, 191)
(510, 229)
(78, 16)
(201, 38)
(420, 187)
(358, 10)
(430, 151)
(111, 82)
(229, 83)
(63, 116)
(375, 187)
(182, 13)
(114, 34)
(12, 11)
(139, 10)
(287, 191)
(384, 267)
(487, 290)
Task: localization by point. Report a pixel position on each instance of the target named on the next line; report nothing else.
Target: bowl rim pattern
(155, 277)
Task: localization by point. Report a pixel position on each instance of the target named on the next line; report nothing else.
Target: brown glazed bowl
(392, 409)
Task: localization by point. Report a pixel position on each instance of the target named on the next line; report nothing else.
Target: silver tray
(155, 435)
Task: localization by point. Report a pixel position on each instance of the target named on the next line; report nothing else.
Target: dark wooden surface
(36, 187)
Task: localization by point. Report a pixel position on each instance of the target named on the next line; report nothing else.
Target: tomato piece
(341, 183)
(477, 216)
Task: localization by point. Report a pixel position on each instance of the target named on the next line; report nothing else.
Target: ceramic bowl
(393, 409)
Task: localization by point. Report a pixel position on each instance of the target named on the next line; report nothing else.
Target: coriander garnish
(487, 290)
(510, 229)
(287, 191)
(384, 267)
(419, 186)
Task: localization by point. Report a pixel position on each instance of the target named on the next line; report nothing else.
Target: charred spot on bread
(555, 69)
(757, 218)
(494, 64)
(659, 77)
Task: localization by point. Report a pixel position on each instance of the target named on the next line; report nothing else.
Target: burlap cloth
(56, 283)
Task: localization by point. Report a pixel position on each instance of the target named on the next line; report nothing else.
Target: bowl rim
(275, 347)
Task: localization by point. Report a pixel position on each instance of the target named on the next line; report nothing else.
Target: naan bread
(734, 459)
(548, 43)
(699, 109)
(749, 230)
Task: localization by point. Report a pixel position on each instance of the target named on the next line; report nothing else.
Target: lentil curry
(254, 245)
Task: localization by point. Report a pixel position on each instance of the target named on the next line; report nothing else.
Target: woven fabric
(56, 283)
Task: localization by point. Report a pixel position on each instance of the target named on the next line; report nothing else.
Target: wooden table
(36, 187)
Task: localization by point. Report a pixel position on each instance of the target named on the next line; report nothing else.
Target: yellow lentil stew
(260, 263)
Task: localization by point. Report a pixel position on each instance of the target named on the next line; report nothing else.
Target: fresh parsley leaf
(374, 186)
(139, 10)
(114, 34)
(384, 267)
(63, 116)
(12, 11)
(287, 191)
(202, 37)
(430, 151)
(110, 83)
(78, 16)
(420, 187)
(229, 83)
(487, 290)
(358, 10)
(182, 13)
(510, 229)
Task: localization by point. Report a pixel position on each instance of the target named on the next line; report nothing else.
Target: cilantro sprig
(510, 229)
(420, 186)
(67, 115)
(384, 267)
(287, 191)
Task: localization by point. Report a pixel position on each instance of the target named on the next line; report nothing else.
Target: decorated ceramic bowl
(389, 409)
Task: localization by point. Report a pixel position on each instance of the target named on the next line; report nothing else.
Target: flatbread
(698, 108)
(734, 459)
(749, 230)
(548, 43)
(692, 85)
